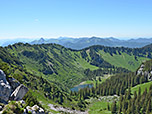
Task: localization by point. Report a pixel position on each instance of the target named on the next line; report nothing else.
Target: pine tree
(149, 107)
(133, 108)
(108, 107)
(139, 91)
(135, 95)
(114, 108)
(61, 99)
(129, 108)
(128, 94)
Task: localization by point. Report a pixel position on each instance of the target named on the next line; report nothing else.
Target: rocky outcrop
(11, 89)
(34, 110)
(140, 70)
(150, 76)
(21, 108)
(5, 88)
(13, 82)
(147, 74)
(19, 92)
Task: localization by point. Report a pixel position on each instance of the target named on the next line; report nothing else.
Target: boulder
(13, 82)
(5, 88)
(150, 76)
(19, 93)
(142, 66)
(1, 108)
(22, 102)
(34, 110)
(139, 72)
(146, 73)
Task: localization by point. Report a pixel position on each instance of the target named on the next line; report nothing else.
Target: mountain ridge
(54, 61)
(80, 43)
(83, 42)
(47, 69)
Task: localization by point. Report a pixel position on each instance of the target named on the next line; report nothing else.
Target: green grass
(99, 107)
(124, 60)
(68, 65)
(97, 80)
(142, 86)
(44, 101)
(81, 63)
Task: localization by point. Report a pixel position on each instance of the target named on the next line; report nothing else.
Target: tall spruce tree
(114, 108)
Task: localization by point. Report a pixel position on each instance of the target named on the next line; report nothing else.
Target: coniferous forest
(50, 71)
(75, 57)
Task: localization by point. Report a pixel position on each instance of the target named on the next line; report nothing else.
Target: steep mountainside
(41, 92)
(80, 43)
(67, 66)
(48, 69)
(138, 102)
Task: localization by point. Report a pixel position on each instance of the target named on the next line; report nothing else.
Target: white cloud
(36, 20)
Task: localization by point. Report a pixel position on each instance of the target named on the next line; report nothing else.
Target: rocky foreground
(11, 91)
(11, 95)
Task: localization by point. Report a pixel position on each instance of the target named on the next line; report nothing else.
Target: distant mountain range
(6, 42)
(80, 43)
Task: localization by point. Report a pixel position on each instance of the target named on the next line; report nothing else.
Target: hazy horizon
(23, 38)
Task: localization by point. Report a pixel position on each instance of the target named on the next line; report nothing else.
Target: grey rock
(25, 111)
(1, 108)
(142, 66)
(13, 82)
(150, 76)
(146, 73)
(65, 110)
(41, 110)
(22, 101)
(38, 109)
(5, 88)
(19, 92)
(29, 109)
(140, 70)
(35, 110)
(35, 107)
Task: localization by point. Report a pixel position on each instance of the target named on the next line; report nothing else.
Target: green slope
(124, 60)
(148, 68)
(142, 86)
(41, 91)
(99, 107)
(66, 66)
(47, 69)
(53, 62)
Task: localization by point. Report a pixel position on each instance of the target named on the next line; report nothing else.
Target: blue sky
(75, 18)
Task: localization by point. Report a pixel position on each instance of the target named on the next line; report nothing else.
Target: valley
(53, 62)
(98, 74)
(76, 57)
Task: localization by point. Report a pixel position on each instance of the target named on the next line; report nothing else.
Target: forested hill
(69, 67)
(48, 69)
(37, 85)
(134, 91)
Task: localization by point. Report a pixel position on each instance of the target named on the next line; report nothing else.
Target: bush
(13, 108)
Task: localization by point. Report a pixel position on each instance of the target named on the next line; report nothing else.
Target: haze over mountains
(80, 43)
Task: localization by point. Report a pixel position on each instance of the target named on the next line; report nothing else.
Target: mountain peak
(42, 40)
